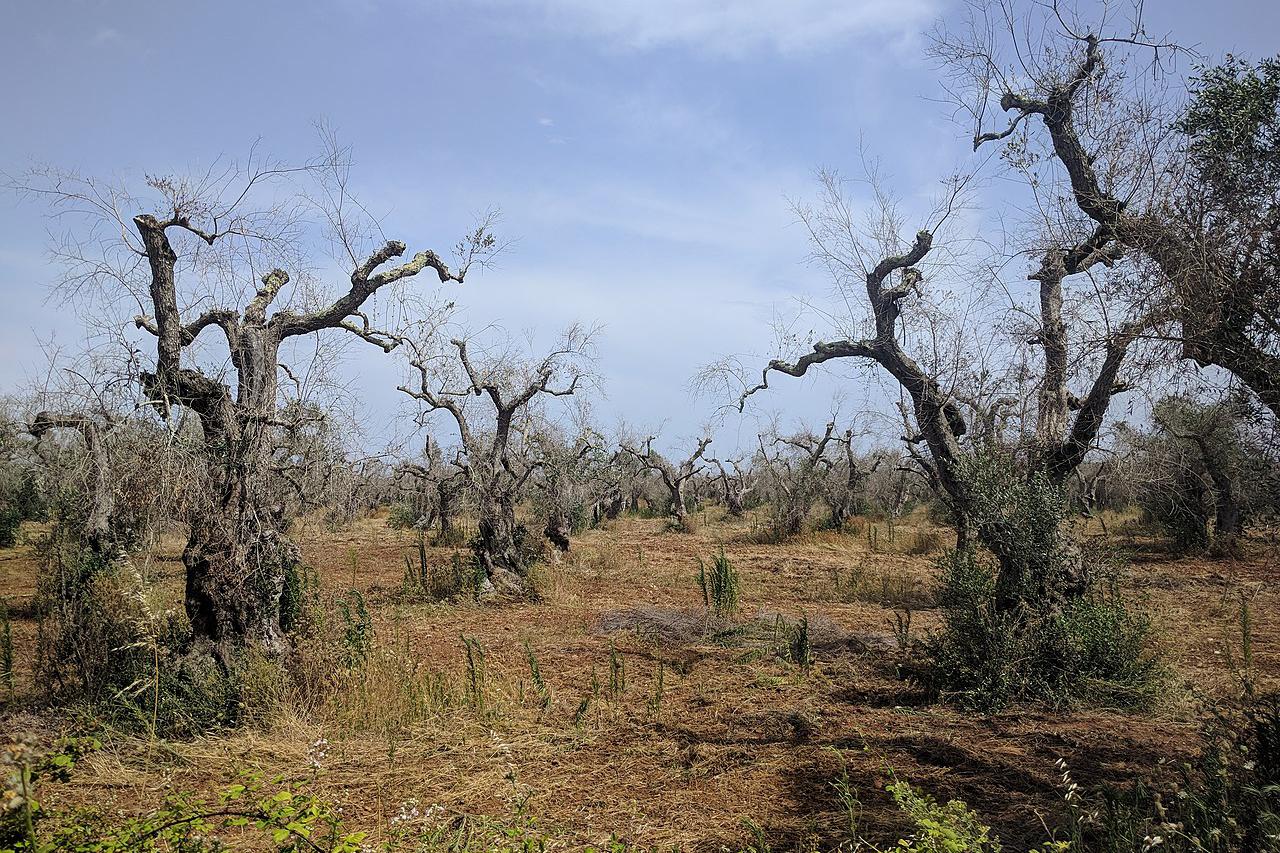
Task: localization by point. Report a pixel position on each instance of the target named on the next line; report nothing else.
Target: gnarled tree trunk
(237, 557)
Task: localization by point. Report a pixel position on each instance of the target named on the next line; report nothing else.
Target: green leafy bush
(949, 828)
(1033, 616)
(403, 516)
(1092, 647)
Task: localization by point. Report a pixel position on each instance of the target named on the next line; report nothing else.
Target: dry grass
(734, 732)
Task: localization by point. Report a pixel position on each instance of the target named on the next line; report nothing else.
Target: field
(655, 722)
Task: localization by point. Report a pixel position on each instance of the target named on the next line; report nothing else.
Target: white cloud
(732, 27)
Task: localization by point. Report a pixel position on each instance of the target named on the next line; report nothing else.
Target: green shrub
(1093, 647)
(462, 576)
(403, 516)
(798, 648)
(1040, 619)
(949, 828)
(301, 585)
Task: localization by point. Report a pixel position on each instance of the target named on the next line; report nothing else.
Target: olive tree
(493, 401)
(1193, 190)
(796, 468)
(675, 476)
(215, 252)
(439, 488)
(735, 487)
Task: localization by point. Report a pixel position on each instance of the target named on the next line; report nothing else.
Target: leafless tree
(847, 474)
(102, 493)
(188, 256)
(1206, 231)
(441, 486)
(890, 269)
(796, 467)
(497, 453)
(735, 487)
(675, 476)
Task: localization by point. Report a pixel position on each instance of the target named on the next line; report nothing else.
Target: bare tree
(843, 485)
(202, 245)
(1197, 196)
(797, 468)
(497, 456)
(936, 426)
(675, 477)
(735, 487)
(101, 497)
(441, 486)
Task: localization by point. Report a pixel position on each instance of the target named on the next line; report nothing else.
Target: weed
(584, 706)
(889, 586)
(799, 646)
(925, 543)
(475, 658)
(357, 628)
(719, 585)
(535, 675)
(462, 576)
(1243, 665)
(847, 797)
(617, 673)
(902, 629)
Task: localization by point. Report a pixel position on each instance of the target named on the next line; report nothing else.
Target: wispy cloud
(731, 28)
(106, 35)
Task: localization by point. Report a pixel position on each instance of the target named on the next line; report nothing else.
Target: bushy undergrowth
(109, 641)
(1033, 616)
(403, 515)
(1179, 509)
(461, 577)
(1225, 798)
(104, 638)
(1095, 647)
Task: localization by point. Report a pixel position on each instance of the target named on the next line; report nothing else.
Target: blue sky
(642, 153)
